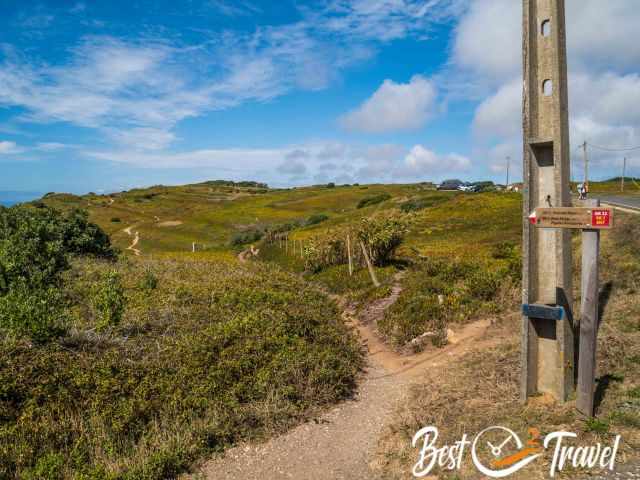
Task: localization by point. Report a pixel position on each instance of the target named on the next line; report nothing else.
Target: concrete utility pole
(508, 166)
(624, 174)
(586, 166)
(547, 343)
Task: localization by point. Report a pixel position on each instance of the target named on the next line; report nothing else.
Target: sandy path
(341, 444)
(136, 239)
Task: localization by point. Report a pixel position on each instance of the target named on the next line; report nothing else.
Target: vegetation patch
(132, 370)
(213, 354)
(378, 236)
(316, 219)
(373, 200)
(437, 292)
(417, 204)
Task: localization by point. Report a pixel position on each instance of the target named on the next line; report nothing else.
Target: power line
(610, 149)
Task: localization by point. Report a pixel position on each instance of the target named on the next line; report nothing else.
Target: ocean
(9, 198)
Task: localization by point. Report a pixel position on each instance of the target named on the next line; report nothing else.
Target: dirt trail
(341, 443)
(249, 252)
(136, 239)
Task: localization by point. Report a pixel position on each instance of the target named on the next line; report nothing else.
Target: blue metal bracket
(543, 311)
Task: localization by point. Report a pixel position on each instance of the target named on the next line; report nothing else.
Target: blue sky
(104, 96)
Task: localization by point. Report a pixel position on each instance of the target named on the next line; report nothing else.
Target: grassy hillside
(456, 227)
(206, 353)
(169, 219)
(210, 350)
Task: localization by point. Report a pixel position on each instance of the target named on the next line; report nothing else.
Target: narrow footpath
(341, 443)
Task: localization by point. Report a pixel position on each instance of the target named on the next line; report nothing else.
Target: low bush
(38, 314)
(149, 281)
(373, 200)
(437, 292)
(109, 301)
(217, 353)
(380, 234)
(316, 219)
(422, 203)
(35, 247)
(246, 237)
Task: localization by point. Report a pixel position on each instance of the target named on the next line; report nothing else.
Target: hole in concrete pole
(547, 88)
(543, 154)
(545, 28)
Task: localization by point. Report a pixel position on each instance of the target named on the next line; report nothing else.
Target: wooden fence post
(588, 318)
(374, 279)
(349, 255)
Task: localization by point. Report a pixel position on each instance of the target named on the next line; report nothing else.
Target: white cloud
(394, 106)
(603, 78)
(138, 85)
(500, 114)
(484, 39)
(9, 148)
(424, 161)
(144, 138)
(379, 161)
(243, 160)
(385, 20)
(51, 146)
(599, 34)
(234, 8)
(294, 163)
(305, 163)
(78, 8)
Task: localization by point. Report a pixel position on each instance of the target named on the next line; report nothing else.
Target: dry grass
(484, 391)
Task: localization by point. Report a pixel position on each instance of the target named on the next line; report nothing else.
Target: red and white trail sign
(572, 217)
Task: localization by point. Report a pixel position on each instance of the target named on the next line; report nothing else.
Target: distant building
(515, 187)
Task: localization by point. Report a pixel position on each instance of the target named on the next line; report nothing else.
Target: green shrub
(510, 253)
(149, 281)
(483, 284)
(382, 235)
(35, 313)
(422, 203)
(109, 300)
(82, 237)
(35, 243)
(437, 292)
(32, 248)
(248, 236)
(254, 351)
(596, 426)
(48, 467)
(316, 219)
(373, 200)
(324, 251)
